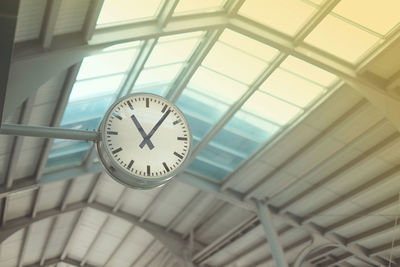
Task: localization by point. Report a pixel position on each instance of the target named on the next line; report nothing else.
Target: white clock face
(146, 136)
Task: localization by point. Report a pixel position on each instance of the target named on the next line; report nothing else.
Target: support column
(273, 241)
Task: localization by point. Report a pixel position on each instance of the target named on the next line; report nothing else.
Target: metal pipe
(48, 132)
(266, 220)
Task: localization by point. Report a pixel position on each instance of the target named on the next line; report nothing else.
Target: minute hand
(154, 129)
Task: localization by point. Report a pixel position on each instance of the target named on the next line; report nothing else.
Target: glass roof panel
(196, 6)
(217, 86)
(87, 89)
(234, 63)
(270, 108)
(285, 16)
(291, 88)
(377, 16)
(248, 45)
(106, 63)
(308, 71)
(178, 50)
(125, 11)
(341, 39)
(158, 75)
(202, 111)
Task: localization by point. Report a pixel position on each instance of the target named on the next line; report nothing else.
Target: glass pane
(201, 111)
(158, 75)
(196, 6)
(291, 88)
(341, 39)
(270, 108)
(120, 11)
(243, 134)
(378, 16)
(66, 153)
(159, 89)
(172, 51)
(308, 71)
(234, 63)
(207, 169)
(217, 86)
(106, 63)
(285, 16)
(95, 88)
(248, 45)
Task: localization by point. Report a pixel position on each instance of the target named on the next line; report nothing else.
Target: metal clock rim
(161, 179)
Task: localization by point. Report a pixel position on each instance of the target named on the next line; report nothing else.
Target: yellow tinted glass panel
(291, 88)
(270, 108)
(248, 45)
(119, 11)
(199, 6)
(308, 71)
(285, 16)
(234, 63)
(341, 39)
(379, 16)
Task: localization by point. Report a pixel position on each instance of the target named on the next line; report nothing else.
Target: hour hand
(142, 133)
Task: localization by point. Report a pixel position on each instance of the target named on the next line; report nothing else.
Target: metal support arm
(49, 132)
(266, 220)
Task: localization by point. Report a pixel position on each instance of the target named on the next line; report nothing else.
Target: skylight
(195, 6)
(288, 91)
(125, 11)
(341, 39)
(285, 16)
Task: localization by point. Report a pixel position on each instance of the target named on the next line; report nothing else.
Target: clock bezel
(119, 173)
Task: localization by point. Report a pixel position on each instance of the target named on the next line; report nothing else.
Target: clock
(145, 141)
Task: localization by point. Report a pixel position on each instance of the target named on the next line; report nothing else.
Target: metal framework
(55, 49)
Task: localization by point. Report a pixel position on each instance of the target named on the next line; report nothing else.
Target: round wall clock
(145, 141)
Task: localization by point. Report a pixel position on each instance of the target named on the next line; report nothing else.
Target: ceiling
(294, 110)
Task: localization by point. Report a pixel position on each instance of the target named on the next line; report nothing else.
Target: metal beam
(36, 201)
(48, 239)
(91, 19)
(356, 162)
(49, 22)
(374, 209)
(334, 126)
(94, 241)
(4, 207)
(48, 132)
(8, 24)
(25, 114)
(22, 251)
(352, 194)
(193, 64)
(166, 12)
(273, 240)
(71, 236)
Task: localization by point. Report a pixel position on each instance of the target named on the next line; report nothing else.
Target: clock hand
(147, 138)
(142, 133)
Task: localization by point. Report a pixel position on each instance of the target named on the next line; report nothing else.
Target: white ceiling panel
(71, 16)
(20, 204)
(30, 17)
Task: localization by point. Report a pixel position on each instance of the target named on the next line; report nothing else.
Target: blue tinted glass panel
(85, 114)
(224, 159)
(208, 170)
